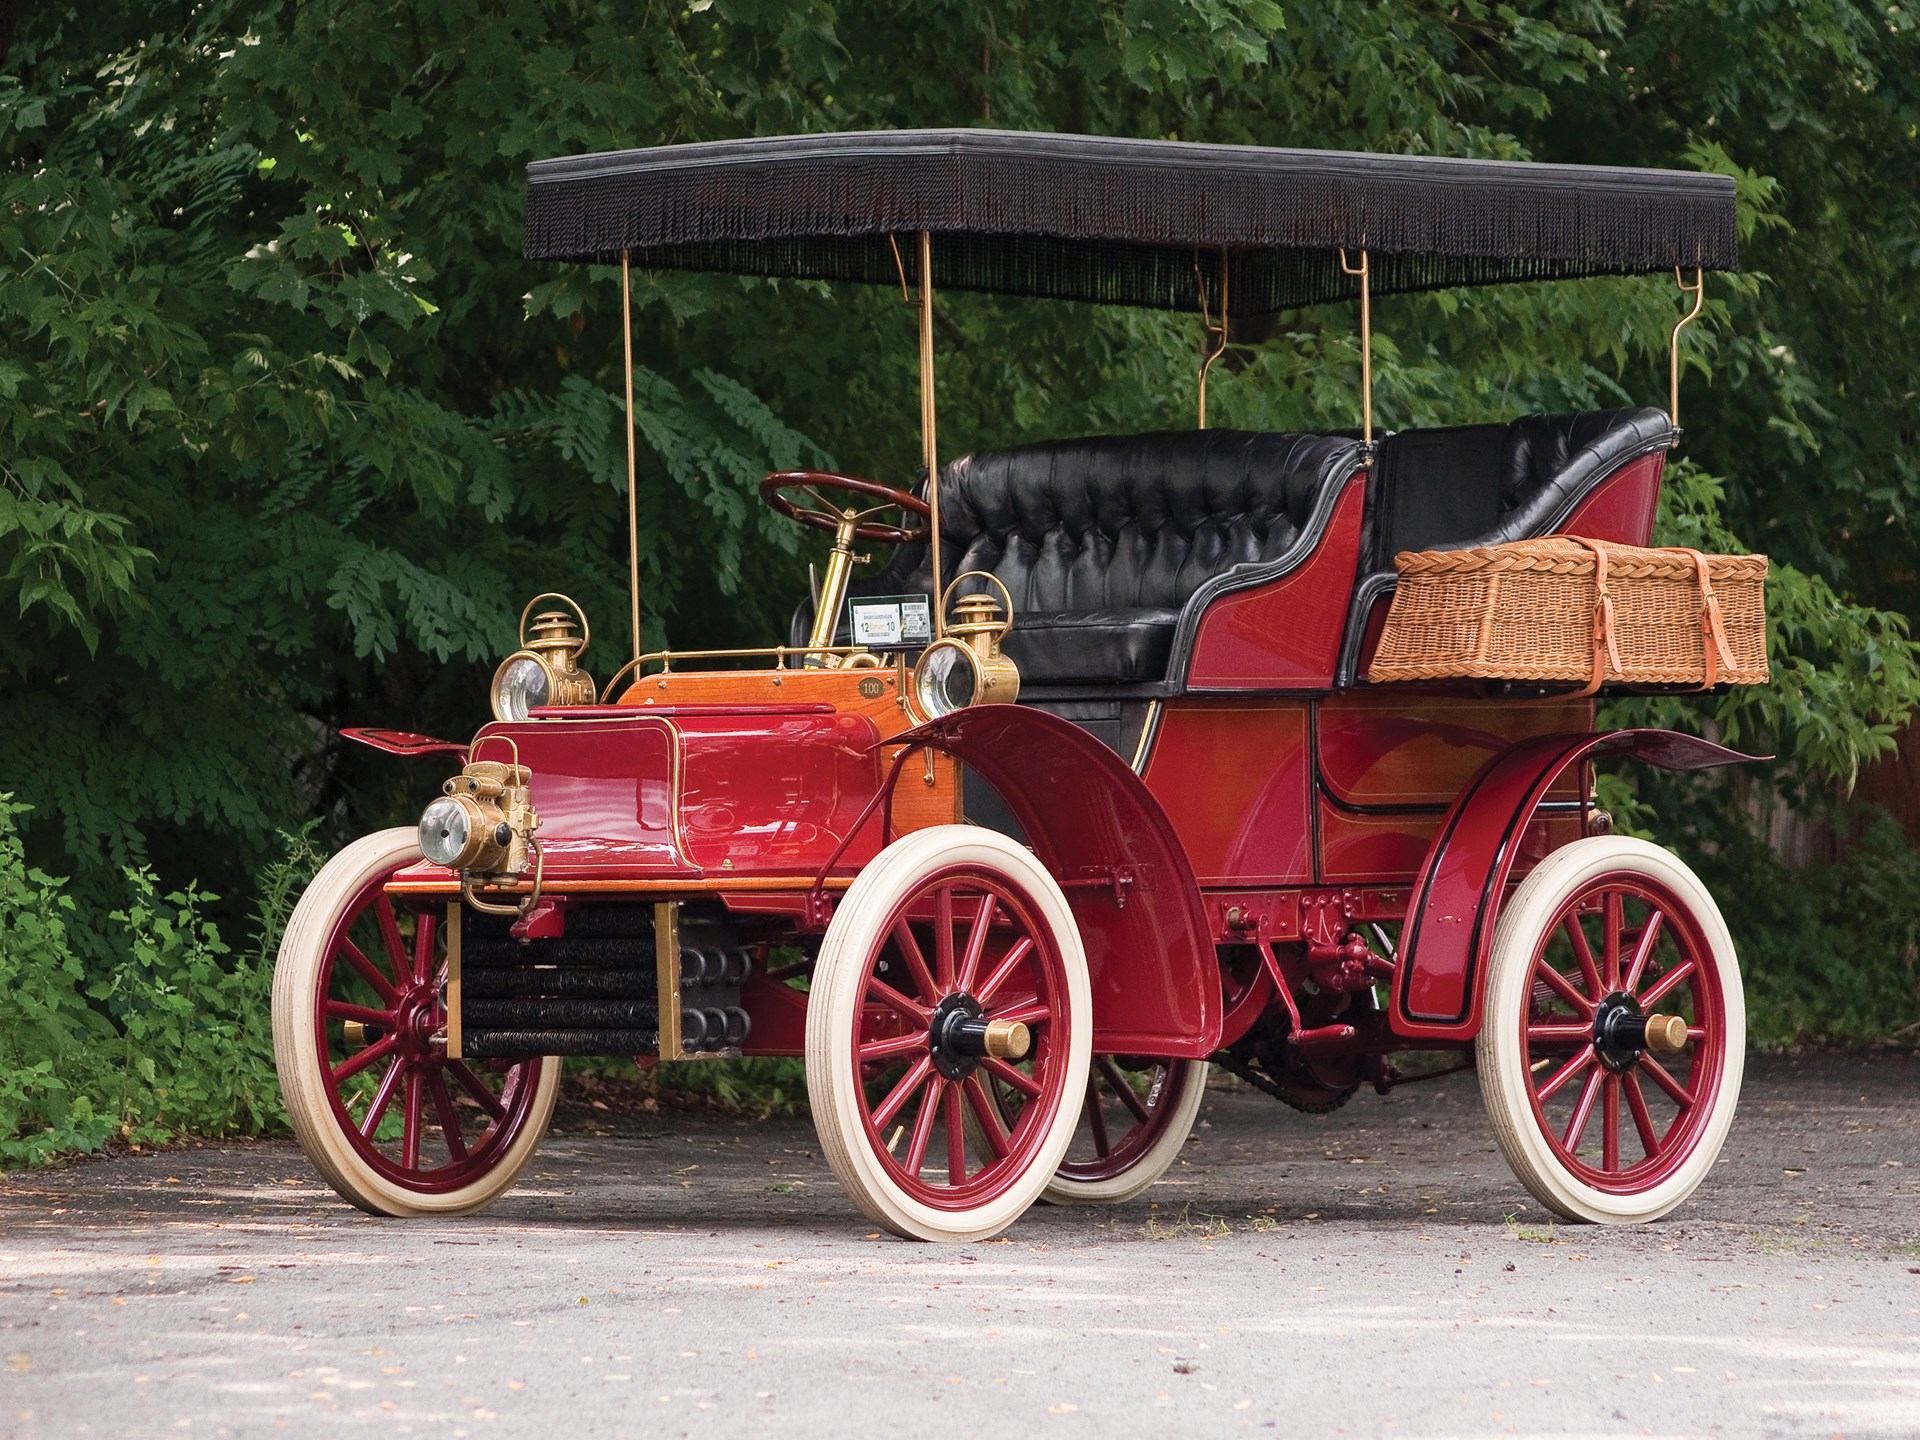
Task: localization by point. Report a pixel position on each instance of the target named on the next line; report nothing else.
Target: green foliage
(172, 1038)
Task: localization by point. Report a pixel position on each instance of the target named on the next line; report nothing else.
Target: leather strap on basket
(1605, 648)
(1713, 629)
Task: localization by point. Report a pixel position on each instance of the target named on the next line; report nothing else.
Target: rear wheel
(359, 1022)
(952, 960)
(1135, 1118)
(1612, 1049)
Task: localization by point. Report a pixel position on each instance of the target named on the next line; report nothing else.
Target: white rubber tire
(1504, 1082)
(1154, 1162)
(833, 1077)
(296, 975)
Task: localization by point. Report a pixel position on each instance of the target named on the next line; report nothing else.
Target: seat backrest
(1471, 485)
(1486, 484)
(1126, 522)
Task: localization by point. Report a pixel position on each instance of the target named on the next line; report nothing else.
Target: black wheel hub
(1619, 1032)
(957, 1035)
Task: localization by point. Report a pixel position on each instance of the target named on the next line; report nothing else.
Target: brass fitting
(1008, 1040)
(1666, 1034)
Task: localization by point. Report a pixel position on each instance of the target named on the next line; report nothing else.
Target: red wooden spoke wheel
(1611, 1053)
(952, 961)
(394, 1125)
(1135, 1116)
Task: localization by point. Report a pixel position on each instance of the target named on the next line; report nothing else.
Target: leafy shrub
(174, 1036)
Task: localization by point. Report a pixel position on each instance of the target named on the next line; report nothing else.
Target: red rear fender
(1437, 994)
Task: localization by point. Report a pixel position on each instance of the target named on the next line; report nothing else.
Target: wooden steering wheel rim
(780, 480)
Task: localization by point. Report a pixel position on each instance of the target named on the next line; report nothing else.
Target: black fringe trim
(1121, 221)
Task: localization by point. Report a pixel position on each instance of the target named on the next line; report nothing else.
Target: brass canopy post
(1218, 333)
(929, 448)
(1365, 271)
(633, 504)
(1699, 292)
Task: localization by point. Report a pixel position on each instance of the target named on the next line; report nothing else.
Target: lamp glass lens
(946, 680)
(443, 831)
(520, 686)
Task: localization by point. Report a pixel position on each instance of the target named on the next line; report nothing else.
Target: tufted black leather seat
(1103, 542)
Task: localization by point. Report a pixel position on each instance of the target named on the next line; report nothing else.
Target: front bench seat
(1103, 542)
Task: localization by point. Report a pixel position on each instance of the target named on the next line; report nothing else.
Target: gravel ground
(1376, 1272)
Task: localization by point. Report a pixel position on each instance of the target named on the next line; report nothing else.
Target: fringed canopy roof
(1128, 222)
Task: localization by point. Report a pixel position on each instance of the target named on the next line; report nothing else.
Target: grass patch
(1189, 1225)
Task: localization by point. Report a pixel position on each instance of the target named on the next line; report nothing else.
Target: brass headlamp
(484, 821)
(967, 666)
(545, 669)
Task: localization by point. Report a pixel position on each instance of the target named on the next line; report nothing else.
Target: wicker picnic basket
(1570, 609)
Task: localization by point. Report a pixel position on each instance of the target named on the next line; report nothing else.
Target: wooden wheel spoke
(915, 1077)
(976, 943)
(1582, 1111)
(341, 1010)
(369, 972)
(1612, 918)
(449, 1117)
(923, 1128)
(382, 1098)
(894, 1045)
(472, 1084)
(1642, 1121)
(943, 968)
(878, 989)
(1096, 1117)
(1610, 1125)
(426, 931)
(1016, 955)
(1666, 984)
(354, 1064)
(398, 961)
(1563, 987)
(992, 1129)
(410, 1116)
(956, 1134)
(1034, 1012)
(1583, 954)
(1565, 1073)
(909, 947)
(1561, 1034)
(1681, 1096)
(1004, 1072)
(1118, 1081)
(1643, 951)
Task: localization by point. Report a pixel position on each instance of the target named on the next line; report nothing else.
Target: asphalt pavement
(1374, 1272)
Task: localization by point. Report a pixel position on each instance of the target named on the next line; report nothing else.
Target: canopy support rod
(633, 504)
(1365, 271)
(929, 447)
(1212, 330)
(1699, 292)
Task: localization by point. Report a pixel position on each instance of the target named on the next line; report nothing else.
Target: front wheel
(1615, 1032)
(359, 1022)
(952, 961)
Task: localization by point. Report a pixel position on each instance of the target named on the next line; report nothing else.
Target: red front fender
(1456, 902)
(1102, 835)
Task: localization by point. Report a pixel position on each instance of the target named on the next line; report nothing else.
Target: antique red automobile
(1086, 787)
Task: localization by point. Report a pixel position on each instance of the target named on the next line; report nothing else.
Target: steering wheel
(829, 517)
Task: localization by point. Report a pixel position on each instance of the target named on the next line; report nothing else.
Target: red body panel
(1285, 635)
(1621, 507)
(712, 793)
(1450, 919)
(1156, 984)
(1234, 778)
